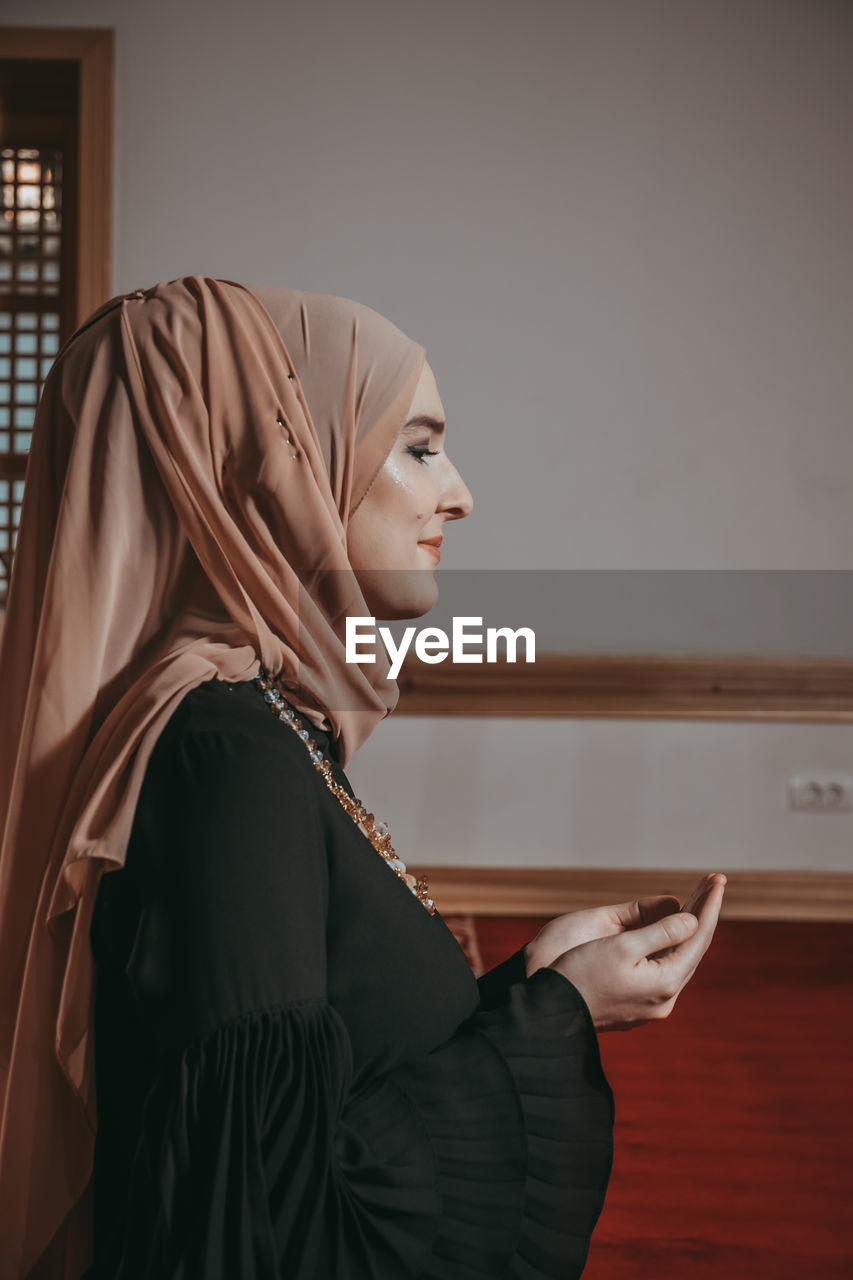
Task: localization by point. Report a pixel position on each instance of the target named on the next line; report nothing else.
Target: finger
(701, 891)
(643, 911)
(659, 907)
(670, 931)
(692, 902)
(654, 909)
(681, 960)
(709, 910)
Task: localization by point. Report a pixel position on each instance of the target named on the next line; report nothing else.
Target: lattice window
(30, 284)
(11, 496)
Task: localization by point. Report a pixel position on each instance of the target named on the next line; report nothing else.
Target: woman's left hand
(576, 927)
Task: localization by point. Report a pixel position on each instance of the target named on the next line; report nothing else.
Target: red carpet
(734, 1123)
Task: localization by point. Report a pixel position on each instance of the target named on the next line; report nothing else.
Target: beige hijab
(198, 450)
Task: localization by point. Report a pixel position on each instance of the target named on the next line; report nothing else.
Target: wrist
(532, 958)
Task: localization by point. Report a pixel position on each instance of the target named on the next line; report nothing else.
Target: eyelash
(420, 452)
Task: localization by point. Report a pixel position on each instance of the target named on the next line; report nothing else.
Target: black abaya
(298, 1075)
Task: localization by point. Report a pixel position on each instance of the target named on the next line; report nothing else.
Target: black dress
(298, 1075)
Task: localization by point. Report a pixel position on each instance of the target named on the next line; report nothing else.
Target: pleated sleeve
(493, 984)
(520, 1116)
(255, 1155)
(253, 1163)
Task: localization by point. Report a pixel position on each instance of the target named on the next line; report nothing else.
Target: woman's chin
(394, 594)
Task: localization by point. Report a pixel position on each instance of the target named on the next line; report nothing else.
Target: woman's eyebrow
(425, 420)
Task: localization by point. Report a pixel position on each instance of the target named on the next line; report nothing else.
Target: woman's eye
(421, 452)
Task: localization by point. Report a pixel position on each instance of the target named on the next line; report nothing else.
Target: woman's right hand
(636, 976)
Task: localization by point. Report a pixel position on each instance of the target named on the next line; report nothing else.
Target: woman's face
(416, 490)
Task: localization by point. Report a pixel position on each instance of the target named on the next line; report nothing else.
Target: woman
(297, 1074)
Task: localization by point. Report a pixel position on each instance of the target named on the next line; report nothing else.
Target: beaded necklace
(376, 832)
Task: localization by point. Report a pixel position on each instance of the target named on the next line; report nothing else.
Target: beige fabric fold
(168, 535)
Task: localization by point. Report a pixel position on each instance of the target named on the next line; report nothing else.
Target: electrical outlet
(826, 792)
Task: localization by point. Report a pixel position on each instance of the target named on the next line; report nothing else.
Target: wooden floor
(734, 1121)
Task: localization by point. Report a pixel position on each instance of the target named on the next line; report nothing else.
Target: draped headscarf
(197, 453)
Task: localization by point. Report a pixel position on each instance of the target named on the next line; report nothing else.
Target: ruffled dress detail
(520, 1116)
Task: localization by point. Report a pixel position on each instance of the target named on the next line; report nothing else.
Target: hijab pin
(287, 439)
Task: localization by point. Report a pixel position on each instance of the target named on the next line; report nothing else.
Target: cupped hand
(634, 975)
(576, 927)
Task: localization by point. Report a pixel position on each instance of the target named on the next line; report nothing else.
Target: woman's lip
(433, 550)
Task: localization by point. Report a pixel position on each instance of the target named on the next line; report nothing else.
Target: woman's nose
(456, 499)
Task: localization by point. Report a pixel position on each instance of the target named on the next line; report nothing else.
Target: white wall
(622, 231)
(608, 793)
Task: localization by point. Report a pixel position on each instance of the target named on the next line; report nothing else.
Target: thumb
(667, 932)
(640, 911)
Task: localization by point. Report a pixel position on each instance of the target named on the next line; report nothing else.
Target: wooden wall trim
(92, 49)
(652, 686)
(549, 891)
